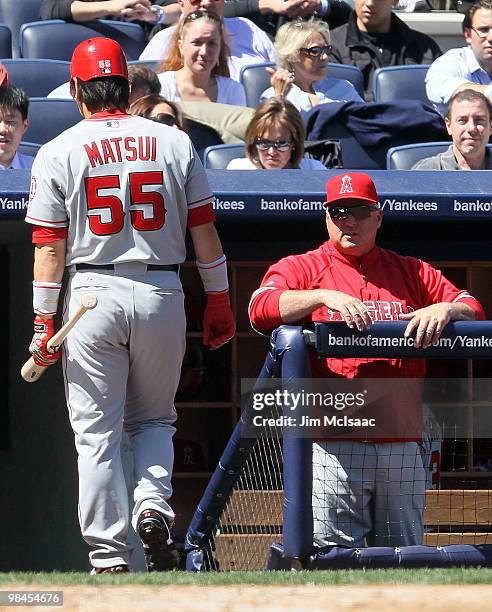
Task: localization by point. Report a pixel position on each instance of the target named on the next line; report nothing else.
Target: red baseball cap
(351, 186)
(4, 76)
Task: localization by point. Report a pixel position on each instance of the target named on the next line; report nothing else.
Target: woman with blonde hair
(275, 140)
(302, 50)
(196, 67)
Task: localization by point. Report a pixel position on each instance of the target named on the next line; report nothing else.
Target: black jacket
(407, 47)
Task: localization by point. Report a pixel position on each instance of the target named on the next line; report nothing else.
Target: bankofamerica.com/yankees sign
(296, 194)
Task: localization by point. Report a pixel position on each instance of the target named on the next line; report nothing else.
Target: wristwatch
(160, 14)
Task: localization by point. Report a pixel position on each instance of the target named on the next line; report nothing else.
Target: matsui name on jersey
(118, 149)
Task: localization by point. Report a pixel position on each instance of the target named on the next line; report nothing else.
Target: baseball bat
(31, 371)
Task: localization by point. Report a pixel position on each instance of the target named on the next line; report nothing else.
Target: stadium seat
(218, 156)
(56, 39)
(5, 41)
(404, 157)
(256, 79)
(14, 13)
(28, 148)
(48, 117)
(202, 136)
(150, 63)
(37, 76)
(400, 83)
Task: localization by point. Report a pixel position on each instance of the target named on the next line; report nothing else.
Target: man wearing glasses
(369, 491)
(375, 37)
(467, 67)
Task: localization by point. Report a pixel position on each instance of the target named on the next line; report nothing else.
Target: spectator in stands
(271, 14)
(368, 489)
(375, 37)
(249, 44)
(143, 81)
(197, 65)
(157, 108)
(275, 140)
(467, 67)
(14, 106)
(147, 14)
(302, 49)
(468, 121)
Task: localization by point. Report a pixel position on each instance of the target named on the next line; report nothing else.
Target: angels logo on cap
(346, 184)
(351, 186)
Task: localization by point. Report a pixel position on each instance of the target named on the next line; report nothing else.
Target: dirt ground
(308, 598)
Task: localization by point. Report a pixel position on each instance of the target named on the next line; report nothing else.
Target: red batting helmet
(98, 57)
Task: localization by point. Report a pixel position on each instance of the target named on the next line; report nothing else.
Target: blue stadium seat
(404, 157)
(14, 13)
(28, 148)
(37, 76)
(5, 41)
(400, 83)
(150, 63)
(256, 79)
(218, 156)
(56, 39)
(49, 117)
(202, 136)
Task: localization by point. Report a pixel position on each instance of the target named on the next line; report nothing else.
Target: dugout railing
(260, 494)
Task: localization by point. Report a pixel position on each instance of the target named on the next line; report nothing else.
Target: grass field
(322, 578)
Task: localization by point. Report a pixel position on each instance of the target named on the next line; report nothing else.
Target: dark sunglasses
(358, 212)
(198, 14)
(263, 145)
(165, 118)
(317, 50)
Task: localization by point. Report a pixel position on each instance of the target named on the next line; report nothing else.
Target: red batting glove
(218, 321)
(43, 331)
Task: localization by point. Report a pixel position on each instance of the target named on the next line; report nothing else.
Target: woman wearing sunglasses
(158, 109)
(196, 68)
(275, 140)
(302, 50)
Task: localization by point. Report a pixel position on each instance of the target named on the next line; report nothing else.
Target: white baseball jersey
(248, 43)
(125, 187)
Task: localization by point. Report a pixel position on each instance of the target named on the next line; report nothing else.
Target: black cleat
(160, 552)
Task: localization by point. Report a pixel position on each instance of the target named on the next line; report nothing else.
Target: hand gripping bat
(31, 371)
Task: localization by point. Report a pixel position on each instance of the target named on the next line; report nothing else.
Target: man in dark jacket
(374, 37)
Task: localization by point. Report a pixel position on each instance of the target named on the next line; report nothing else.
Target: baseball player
(111, 200)
(373, 491)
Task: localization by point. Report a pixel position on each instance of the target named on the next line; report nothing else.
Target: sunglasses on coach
(358, 212)
(317, 51)
(263, 145)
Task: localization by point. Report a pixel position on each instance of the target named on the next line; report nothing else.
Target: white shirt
(125, 187)
(19, 161)
(247, 42)
(446, 73)
(62, 92)
(244, 163)
(228, 90)
(330, 89)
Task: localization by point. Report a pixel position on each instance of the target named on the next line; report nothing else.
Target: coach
(364, 491)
